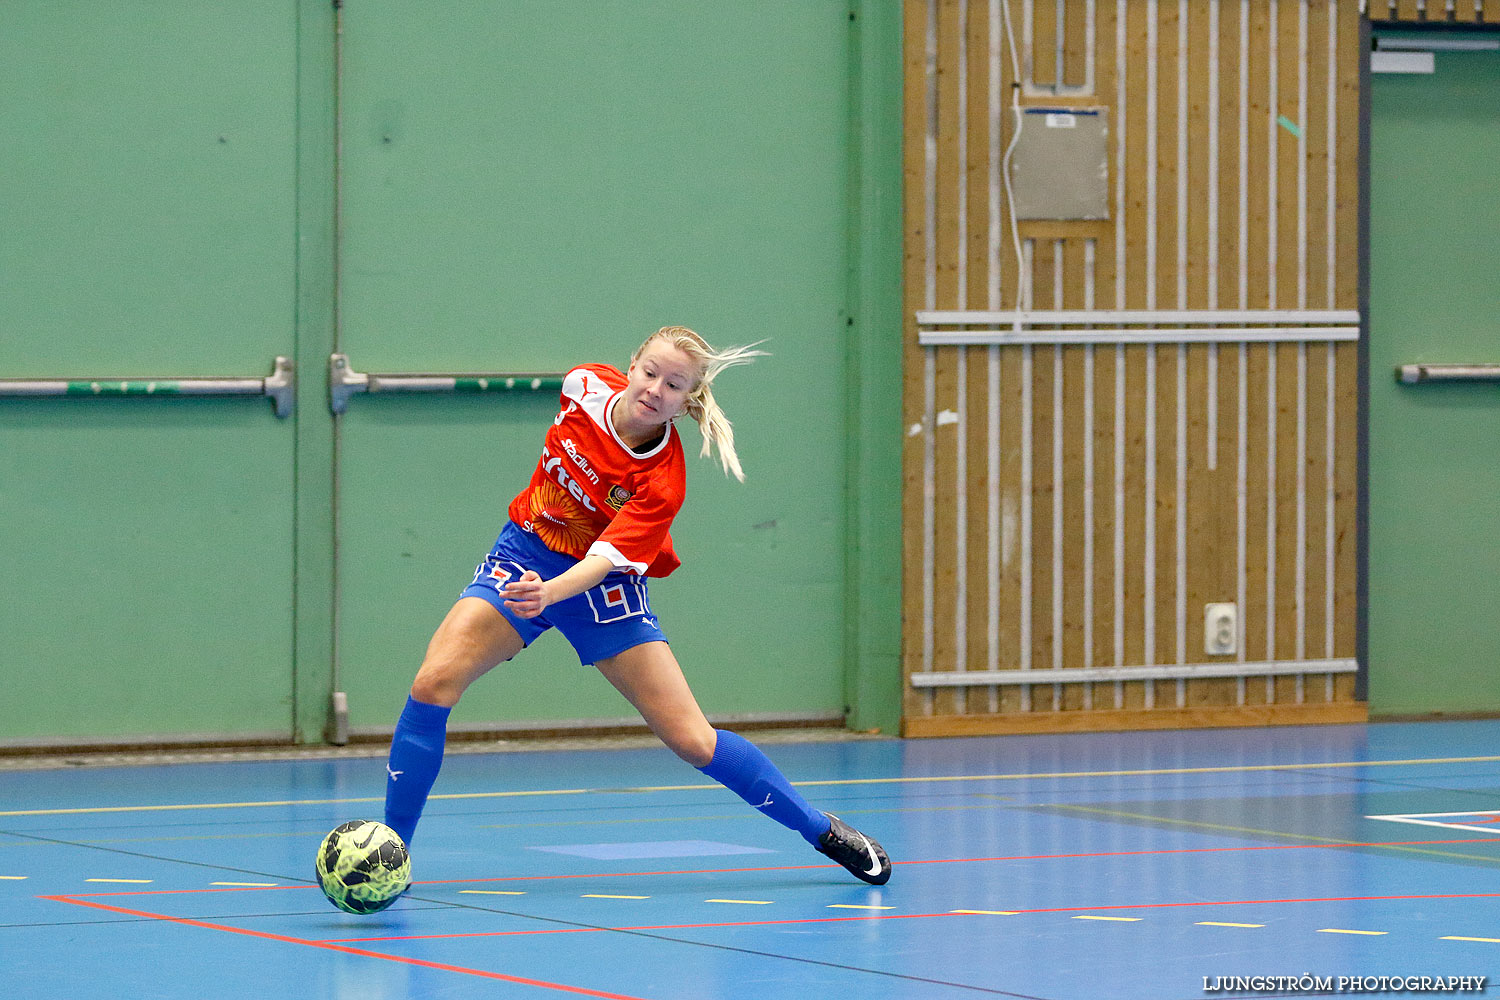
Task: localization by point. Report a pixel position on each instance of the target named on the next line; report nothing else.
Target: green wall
(518, 189)
(1434, 453)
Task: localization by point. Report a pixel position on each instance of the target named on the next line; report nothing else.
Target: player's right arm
(530, 595)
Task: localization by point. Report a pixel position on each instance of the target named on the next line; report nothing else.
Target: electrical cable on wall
(1023, 278)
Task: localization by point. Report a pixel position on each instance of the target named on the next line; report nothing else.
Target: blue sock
(740, 766)
(416, 756)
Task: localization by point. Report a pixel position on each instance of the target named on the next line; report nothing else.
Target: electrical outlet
(1221, 629)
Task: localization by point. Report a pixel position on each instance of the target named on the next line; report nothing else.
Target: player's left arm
(530, 595)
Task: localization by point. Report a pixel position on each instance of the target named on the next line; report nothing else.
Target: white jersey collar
(609, 425)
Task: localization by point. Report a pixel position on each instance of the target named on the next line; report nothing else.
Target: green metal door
(525, 189)
(149, 230)
(1434, 454)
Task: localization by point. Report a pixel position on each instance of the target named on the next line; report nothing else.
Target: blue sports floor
(1152, 865)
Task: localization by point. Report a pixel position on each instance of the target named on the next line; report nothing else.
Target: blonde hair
(717, 431)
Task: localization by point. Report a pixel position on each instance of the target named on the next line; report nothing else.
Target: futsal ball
(363, 866)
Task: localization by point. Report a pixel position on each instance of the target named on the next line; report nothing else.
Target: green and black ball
(363, 866)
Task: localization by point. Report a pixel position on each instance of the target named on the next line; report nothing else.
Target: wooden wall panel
(1073, 504)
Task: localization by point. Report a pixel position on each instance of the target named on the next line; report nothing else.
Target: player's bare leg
(471, 640)
(650, 678)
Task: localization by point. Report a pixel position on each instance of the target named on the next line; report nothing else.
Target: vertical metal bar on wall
(961, 360)
(1057, 477)
(1121, 210)
(1329, 484)
(929, 361)
(1300, 581)
(1153, 19)
(1212, 403)
(1242, 566)
(992, 359)
(1027, 457)
(1301, 573)
(992, 486)
(1090, 262)
(1273, 200)
(1180, 594)
(1271, 515)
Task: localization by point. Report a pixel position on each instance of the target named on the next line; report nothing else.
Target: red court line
(330, 946)
(1335, 845)
(923, 916)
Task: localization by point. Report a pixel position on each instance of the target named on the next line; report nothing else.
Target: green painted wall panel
(522, 190)
(147, 151)
(148, 155)
(1434, 461)
(147, 554)
(525, 190)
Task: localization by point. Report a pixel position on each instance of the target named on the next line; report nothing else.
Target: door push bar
(344, 381)
(1413, 374)
(278, 386)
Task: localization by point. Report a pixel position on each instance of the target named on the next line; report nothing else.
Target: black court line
(550, 920)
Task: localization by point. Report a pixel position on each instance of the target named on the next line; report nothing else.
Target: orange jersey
(591, 494)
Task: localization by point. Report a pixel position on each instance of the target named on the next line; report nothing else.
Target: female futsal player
(582, 538)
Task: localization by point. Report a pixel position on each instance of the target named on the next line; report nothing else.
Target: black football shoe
(865, 859)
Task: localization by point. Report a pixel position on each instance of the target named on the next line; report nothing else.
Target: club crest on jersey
(617, 496)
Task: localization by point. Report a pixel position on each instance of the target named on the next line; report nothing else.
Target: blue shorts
(607, 619)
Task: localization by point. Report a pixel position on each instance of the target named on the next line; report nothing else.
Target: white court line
(1429, 819)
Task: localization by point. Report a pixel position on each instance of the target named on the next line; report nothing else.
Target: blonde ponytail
(716, 429)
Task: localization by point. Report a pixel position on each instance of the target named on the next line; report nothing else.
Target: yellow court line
(934, 779)
(1121, 920)
(1480, 940)
(988, 913)
(1220, 923)
(600, 895)
(183, 806)
(856, 906)
(1343, 930)
(122, 881)
(746, 902)
(14, 878)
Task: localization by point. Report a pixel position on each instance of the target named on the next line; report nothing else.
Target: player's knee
(431, 691)
(695, 746)
(435, 685)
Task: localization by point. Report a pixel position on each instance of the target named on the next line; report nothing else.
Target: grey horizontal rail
(278, 387)
(1413, 374)
(1137, 326)
(1176, 671)
(344, 382)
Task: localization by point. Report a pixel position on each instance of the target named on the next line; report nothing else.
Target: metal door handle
(277, 387)
(344, 381)
(1412, 374)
